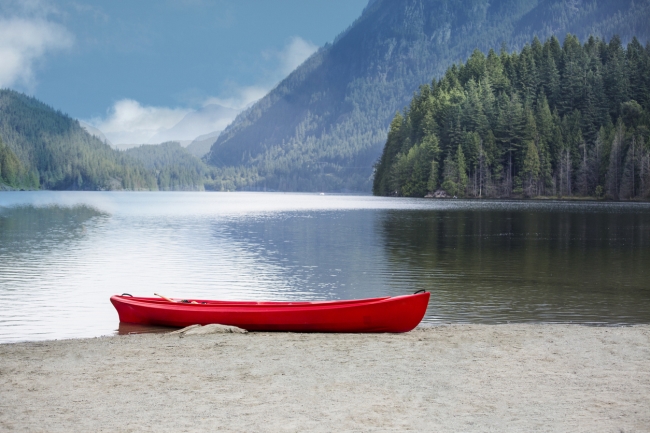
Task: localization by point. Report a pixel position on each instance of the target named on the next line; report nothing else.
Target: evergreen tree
(644, 169)
(582, 183)
(615, 162)
(10, 167)
(594, 164)
(629, 183)
(450, 176)
(531, 169)
(392, 148)
(509, 133)
(461, 167)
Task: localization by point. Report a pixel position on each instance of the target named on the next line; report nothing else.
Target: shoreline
(541, 198)
(513, 377)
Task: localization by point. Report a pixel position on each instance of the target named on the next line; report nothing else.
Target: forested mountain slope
(44, 148)
(174, 167)
(324, 126)
(554, 120)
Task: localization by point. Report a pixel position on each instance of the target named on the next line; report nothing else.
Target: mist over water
(62, 255)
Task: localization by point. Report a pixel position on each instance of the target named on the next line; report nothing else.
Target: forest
(324, 126)
(174, 167)
(12, 172)
(47, 149)
(556, 120)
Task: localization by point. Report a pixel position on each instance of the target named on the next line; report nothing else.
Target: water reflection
(25, 228)
(133, 328)
(316, 255)
(547, 266)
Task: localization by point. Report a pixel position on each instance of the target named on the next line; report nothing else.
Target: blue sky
(136, 68)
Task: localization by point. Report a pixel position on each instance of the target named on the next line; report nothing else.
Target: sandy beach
(471, 378)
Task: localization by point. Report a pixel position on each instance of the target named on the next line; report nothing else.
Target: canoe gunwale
(203, 303)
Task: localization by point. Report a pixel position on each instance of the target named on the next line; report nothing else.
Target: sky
(150, 70)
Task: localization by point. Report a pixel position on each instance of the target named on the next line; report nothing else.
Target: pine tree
(615, 162)
(628, 178)
(565, 172)
(527, 75)
(473, 114)
(644, 170)
(531, 169)
(582, 183)
(450, 176)
(616, 80)
(509, 133)
(10, 167)
(493, 167)
(594, 162)
(550, 76)
(544, 124)
(391, 149)
(461, 166)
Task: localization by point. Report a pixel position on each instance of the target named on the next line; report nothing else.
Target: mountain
(324, 126)
(175, 168)
(202, 144)
(41, 147)
(551, 120)
(95, 132)
(48, 149)
(207, 119)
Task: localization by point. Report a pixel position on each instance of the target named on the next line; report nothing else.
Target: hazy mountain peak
(206, 120)
(95, 132)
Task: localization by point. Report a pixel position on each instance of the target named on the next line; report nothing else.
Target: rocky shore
(470, 378)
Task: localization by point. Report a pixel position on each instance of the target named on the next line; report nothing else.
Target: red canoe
(388, 314)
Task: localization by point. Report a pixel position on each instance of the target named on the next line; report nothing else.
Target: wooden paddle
(171, 300)
(165, 298)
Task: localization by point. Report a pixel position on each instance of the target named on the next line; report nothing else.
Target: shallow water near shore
(63, 254)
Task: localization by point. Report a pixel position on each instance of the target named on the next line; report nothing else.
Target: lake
(63, 254)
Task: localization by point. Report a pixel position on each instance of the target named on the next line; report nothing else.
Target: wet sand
(470, 378)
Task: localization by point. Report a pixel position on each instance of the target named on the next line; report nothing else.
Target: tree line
(173, 166)
(554, 119)
(12, 172)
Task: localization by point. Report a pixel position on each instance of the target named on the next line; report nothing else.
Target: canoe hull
(395, 314)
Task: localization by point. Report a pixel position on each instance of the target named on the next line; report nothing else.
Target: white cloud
(241, 97)
(297, 51)
(206, 120)
(128, 122)
(23, 42)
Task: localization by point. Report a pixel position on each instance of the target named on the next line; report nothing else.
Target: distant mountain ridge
(175, 168)
(324, 126)
(90, 129)
(204, 121)
(202, 144)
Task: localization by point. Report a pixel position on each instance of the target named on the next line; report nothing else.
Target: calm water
(63, 254)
